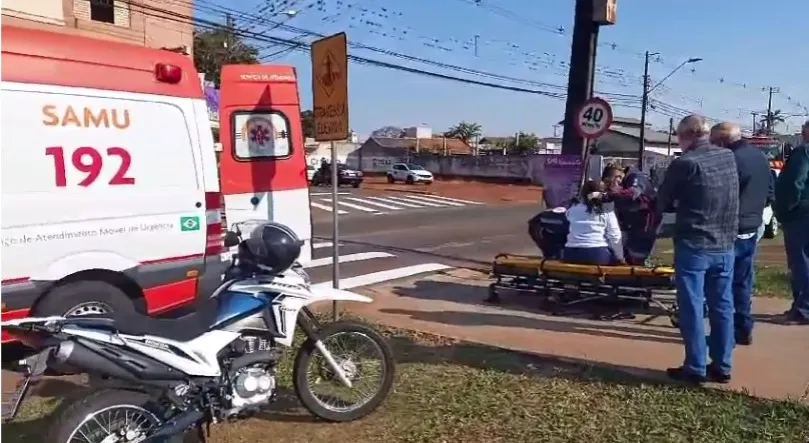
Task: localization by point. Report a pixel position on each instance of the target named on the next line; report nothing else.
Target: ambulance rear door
(262, 164)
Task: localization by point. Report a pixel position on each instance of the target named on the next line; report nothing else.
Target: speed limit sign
(594, 118)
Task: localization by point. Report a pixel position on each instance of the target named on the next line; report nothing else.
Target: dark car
(346, 176)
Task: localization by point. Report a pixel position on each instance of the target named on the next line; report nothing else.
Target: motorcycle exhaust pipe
(71, 355)
(176, 425)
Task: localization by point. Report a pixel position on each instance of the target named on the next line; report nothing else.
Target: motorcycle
(166, 377)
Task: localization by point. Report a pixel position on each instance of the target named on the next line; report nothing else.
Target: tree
(308, 123)
(464, 131)
(521, 144)
(770, 120)
(216, 47)
(388, 132)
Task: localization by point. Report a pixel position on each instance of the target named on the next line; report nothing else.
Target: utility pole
(580, 74)
(476, 44)
(671, 131)
(755, 121)
(644, 103)
(229, 24)
(769, 109)
(556, 131)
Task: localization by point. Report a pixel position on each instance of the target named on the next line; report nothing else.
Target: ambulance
(111, 195)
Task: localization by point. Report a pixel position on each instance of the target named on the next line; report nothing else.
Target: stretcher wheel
(493, 297)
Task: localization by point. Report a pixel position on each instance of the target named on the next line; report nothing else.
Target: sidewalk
(450, 304)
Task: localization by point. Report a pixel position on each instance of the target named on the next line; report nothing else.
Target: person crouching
(594, 237)
(635, 198)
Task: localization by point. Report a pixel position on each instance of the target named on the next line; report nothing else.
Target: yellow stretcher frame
(563, 285)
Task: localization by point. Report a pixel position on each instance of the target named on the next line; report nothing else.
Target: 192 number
(90, 161)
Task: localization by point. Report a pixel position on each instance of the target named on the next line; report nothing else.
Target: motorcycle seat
(185, 328)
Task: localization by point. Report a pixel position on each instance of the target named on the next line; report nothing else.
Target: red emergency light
(167, 73)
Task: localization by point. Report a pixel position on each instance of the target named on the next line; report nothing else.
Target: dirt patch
(466, 190)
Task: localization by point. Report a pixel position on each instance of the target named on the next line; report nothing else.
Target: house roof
(494, 140)
(650, 135)
(433, 145)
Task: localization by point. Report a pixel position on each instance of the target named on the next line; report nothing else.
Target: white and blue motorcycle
(164, 378)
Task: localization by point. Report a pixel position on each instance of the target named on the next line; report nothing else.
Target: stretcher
(565, 286)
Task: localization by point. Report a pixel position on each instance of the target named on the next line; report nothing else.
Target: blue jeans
(743, 275)
(796, 243)
(702, 276)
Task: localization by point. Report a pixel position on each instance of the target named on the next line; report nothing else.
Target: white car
(409, 173)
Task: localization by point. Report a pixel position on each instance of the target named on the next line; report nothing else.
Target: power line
(621, 99)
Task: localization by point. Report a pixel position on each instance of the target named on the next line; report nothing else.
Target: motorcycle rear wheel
(309, 352)
(127, 414)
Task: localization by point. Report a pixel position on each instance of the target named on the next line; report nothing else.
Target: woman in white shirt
(594, 237)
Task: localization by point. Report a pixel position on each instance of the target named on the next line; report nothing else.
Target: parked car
(310, 173)
(409, 173)
(346, 176)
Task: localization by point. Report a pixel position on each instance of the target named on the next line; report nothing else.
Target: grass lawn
(772, 281)
(451, 391)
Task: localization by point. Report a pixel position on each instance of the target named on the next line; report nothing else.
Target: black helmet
(273, 245)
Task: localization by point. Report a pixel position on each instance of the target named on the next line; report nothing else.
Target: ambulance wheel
(85, 298)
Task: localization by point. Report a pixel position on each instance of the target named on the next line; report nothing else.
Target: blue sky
(745, 47)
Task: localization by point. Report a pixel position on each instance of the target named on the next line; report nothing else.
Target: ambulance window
(260, 135)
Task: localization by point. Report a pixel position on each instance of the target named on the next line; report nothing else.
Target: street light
(645, 99)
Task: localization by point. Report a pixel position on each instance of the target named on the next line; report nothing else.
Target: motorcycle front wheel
(109, 415)
(367, 361)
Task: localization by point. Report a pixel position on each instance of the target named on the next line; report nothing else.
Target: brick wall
(131, 24)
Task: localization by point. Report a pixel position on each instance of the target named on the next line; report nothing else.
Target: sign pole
(335, 235)
(330, 97)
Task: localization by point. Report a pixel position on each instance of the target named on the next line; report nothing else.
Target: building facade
(141, 22)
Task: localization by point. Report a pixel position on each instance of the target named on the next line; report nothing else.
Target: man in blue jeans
(703, 185)
(792, 211)
(755, 193)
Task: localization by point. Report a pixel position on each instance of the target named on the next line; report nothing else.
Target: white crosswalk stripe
(410, 199)
(387, 200)
(387, 204)
(326, 208)
(374, 203)
(351, 205)
(359, 268)
(420, 198)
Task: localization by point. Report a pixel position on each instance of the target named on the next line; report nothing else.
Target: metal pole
(335, 237)
(643, 105)
(769, 112)
(671, 129)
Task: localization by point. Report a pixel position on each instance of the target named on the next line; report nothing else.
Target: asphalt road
(468, 236)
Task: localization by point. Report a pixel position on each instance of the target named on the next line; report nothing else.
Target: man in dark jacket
(755, 193)
(634, 196)
(704, 185)
(792, 211)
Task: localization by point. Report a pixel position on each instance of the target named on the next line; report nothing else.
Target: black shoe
(794, 318)
(717, 376)
(744, 339)
(684, 375)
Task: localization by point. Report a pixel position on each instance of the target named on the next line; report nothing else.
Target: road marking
(351, 205)
(431, 200)
(383, 276)
(457, 200)
(325, 244)
(387, 200)
(326, 208)
(423, 203)
(347, 258)
(369, 202)
(329, 193)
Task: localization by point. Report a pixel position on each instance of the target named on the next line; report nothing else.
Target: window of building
(102, 11)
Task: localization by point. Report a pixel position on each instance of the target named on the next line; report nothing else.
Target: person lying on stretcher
(634, 198)
(594, 235)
